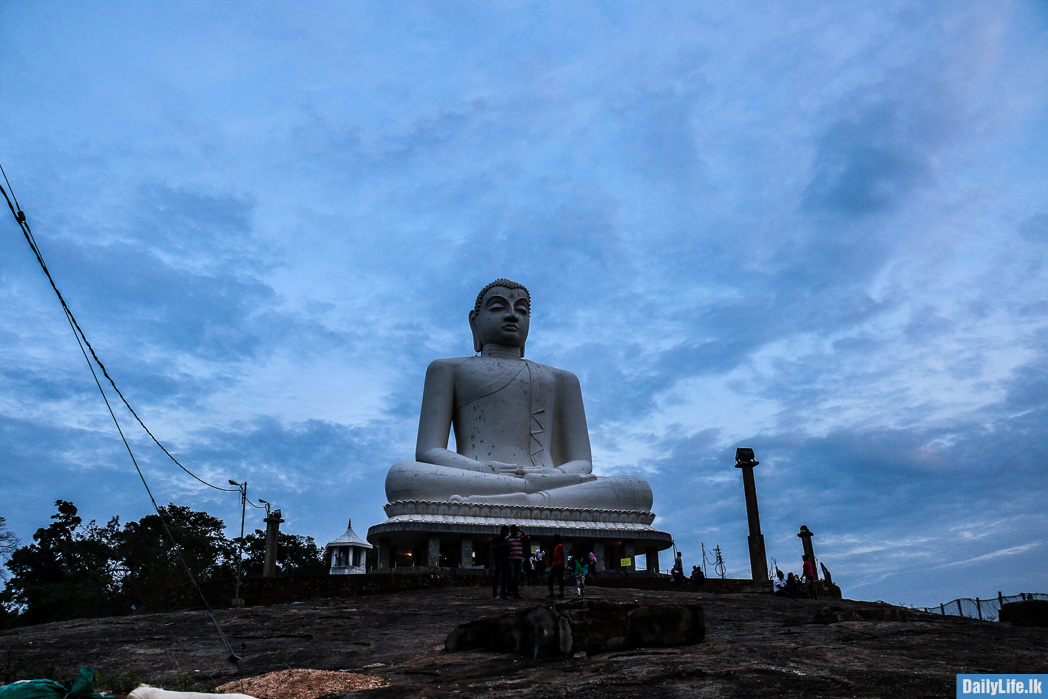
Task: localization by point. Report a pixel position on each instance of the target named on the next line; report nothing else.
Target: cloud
(811, 232)
(1011, 551)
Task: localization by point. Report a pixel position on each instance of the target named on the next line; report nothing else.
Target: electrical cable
(20, 217)
(77, 330)
(78, 333)
(233, 657)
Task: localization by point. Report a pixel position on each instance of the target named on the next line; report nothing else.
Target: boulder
(582, 626)
(1031, 612)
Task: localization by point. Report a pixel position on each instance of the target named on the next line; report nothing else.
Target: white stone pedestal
(456, 534)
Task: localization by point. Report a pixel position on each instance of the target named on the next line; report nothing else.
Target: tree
(296, 554)
(151, 565)
(8, 545)
(67, 573)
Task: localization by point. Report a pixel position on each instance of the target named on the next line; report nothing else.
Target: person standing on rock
(677, 572)
(808, 571)
(581, 568)
(556, 566)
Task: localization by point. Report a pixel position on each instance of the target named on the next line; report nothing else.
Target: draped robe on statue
(514, 412)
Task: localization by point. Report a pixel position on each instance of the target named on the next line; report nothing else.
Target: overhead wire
(82, 340)
(20, 217)
(77, 330)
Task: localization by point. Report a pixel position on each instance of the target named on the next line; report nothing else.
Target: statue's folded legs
(411, 480)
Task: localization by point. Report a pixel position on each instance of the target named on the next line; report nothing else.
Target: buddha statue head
(501, 315)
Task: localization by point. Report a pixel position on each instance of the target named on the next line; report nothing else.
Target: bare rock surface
(589, 626)
(755, 645)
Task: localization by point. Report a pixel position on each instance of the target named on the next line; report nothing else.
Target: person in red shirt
(556, 567)
(808, 571)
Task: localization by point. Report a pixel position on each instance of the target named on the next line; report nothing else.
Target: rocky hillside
(755, 645)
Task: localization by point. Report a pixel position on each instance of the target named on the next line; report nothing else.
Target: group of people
(792, 586)
(515, 564)
(697, 577)
(783, 585)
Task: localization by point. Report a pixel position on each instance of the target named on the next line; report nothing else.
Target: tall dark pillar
(598, 552)
(806, 534)
(651, 556)
(466, 551)
(433, 551)
(387, 553)
(269, 564)
(758, 557)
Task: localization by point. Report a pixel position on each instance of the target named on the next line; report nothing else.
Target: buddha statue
(520, 427)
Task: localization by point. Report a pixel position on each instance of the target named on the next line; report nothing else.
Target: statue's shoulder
(448, 366)
(451, 361)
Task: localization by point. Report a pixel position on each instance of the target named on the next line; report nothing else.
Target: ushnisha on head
(501, 316)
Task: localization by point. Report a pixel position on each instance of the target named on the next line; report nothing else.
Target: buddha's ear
(473, 329)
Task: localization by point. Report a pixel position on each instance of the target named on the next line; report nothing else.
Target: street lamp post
(237, 602)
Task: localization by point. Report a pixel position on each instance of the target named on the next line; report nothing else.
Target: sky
(818, 230)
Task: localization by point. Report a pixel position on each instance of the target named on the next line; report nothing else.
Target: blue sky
(814, 229)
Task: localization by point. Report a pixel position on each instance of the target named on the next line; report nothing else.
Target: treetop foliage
(74, 570)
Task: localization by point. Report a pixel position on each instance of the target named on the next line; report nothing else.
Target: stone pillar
(651, 555)
(269, 564)
(433, 557)
(598, 553)
(466, 559)
(758, 557)
(629, 553)
(806, 534)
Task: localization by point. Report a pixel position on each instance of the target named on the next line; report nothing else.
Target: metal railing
(985, 609)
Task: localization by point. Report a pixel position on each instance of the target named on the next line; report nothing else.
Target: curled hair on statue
(505, 284)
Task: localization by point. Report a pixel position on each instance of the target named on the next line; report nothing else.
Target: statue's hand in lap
(551, 477)
(505, 469)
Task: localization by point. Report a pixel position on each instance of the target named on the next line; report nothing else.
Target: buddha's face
(503, 319)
